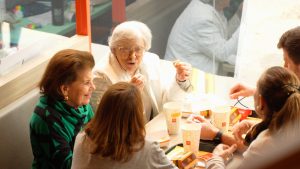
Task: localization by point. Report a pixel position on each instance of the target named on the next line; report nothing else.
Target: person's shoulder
(82, 142)
(150, 56)
(265, 134)
(102, 63)
(88, 110)
(45, 113)
(101, 71)
(40, 110)
(80, 136)
(150, 143)
(264, 138)
(38, 121)
(152, 146)
(150, 59)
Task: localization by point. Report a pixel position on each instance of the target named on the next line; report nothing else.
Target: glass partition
(20, 20)
(204, 33)
(31, 31)
(102, 19)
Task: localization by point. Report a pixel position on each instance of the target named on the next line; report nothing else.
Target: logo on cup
(221, 117)
(172, 111)
(188, 142)
(223, 124)
(176, 114)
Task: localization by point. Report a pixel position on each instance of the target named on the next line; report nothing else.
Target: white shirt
(200, 37)
(160, 82)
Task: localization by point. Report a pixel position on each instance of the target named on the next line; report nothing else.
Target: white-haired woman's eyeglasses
(127, 51)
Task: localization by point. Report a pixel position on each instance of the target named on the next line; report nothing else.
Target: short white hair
(131, 30)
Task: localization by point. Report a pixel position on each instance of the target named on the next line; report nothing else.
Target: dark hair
(290, 42)
(117, 130)
(280, 89)
(62, 69)
(233, 7)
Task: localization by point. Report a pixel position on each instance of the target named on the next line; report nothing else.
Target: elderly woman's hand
(138, 80)
(183, 70)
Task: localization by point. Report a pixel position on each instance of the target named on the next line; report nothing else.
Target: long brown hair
(117, 130)
(280, 89)
(63, 68)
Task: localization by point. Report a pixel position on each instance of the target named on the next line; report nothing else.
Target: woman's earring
(66, 98)
(259, 107)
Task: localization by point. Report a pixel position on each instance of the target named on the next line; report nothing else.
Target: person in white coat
(158, 80)
(200, 36)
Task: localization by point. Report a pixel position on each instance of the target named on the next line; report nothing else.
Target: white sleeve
(158, 159)
(213, 44)
(216, 162)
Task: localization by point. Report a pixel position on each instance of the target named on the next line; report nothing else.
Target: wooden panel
(21, 85)
(26, 77)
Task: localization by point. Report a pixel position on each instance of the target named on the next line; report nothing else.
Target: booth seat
(15, 148)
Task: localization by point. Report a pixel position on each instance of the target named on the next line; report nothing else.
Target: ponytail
(256, 129)
(288, 116)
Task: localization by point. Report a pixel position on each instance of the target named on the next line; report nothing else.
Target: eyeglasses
(127, 51)
(239, 102)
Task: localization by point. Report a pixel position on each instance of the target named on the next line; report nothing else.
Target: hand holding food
(183, 70)
(138, 80)
(241, 90)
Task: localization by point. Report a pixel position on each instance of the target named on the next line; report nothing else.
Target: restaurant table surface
(157, 128)
(208, 88)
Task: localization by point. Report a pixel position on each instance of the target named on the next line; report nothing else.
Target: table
(157, 128)
(214, 87)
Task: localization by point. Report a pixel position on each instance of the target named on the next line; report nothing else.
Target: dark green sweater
(53, 129)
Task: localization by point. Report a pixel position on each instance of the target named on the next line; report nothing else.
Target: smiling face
(79, 92)
(129, 53)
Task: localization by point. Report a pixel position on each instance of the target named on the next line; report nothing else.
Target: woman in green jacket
(62, 109)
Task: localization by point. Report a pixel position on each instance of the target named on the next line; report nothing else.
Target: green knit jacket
(53, 129)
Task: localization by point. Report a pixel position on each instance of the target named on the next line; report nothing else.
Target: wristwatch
(218, 138)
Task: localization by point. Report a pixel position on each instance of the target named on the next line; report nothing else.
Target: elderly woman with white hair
(129, 60)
